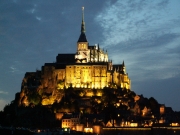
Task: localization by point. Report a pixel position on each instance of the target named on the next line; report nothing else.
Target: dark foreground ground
(104, 131)
(15, 132)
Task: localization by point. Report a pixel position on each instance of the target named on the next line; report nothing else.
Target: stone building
(88, 67)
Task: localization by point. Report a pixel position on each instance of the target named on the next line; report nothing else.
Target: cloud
(150, 58)
(123, 21)
(38, 18)
(31, 10)
(145, 34)
(13, 69)
(3, 92)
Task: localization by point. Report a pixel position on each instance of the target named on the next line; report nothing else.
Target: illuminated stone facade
(70, 121)
(90, 75)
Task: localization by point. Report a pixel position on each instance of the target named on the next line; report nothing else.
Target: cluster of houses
(136, 116)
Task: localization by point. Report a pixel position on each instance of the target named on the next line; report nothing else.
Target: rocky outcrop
(40, 87)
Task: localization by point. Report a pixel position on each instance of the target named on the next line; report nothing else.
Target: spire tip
(83, 23)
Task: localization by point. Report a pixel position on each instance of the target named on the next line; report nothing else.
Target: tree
(153, 104)
(34, 98)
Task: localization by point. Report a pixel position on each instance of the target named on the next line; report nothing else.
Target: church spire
(83, 23)
(82, 37)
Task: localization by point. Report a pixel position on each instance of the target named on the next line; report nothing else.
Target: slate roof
(82, 37)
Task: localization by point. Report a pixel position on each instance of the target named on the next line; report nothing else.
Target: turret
(124, 68)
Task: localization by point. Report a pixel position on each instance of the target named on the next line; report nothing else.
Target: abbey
(88, 68)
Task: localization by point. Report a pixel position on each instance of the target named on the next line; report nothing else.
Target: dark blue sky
(143, 33)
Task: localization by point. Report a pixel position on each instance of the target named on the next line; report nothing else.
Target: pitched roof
(82, 37)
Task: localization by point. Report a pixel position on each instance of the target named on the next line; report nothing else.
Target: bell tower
(82, 55)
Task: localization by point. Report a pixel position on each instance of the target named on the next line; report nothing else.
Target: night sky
(143, 33)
